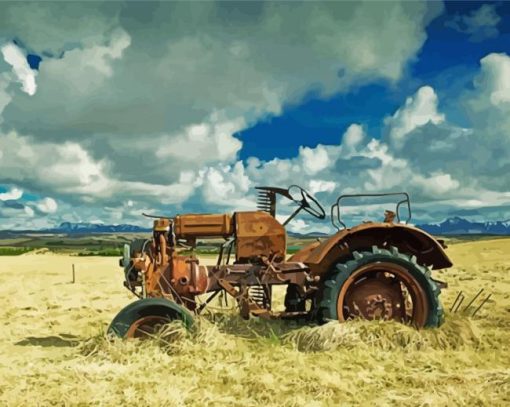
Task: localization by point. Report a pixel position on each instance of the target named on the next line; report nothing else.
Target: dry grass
(53, 350)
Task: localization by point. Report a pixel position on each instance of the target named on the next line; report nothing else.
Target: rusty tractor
(375, 270)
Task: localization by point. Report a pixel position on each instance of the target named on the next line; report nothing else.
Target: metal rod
(473, 300)
(155, 216)
(209, 299)
(459, 304)
(74, 275)
(481, 305)
(292, 216)
(456, 299)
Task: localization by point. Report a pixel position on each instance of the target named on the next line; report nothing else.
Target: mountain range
(460, 226)
(84, 227)
(451, 226)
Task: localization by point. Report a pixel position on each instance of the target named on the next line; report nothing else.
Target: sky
(119, 108)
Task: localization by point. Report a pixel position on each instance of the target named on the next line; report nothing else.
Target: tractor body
(373, 270)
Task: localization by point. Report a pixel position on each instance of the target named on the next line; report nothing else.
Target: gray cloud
(480, 24)
(133, 83)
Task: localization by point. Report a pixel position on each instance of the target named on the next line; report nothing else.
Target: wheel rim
(146, 327)
(383, 290)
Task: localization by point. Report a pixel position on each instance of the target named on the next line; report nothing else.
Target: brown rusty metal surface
(146, 326)
(187, 277)
(407, 239)
(259, 234)
(193, 226)
(303, 254)
(376, 298)
(381, 299)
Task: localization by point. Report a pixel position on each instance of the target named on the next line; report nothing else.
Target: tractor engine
(154, 268)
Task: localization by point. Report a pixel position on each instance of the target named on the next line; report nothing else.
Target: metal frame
(397, 210)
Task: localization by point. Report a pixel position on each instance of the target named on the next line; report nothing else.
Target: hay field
(53, 352)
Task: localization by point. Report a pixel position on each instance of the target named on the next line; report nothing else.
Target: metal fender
(408, 239)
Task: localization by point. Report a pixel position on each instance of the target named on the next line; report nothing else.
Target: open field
(53, 352)
(100, 244)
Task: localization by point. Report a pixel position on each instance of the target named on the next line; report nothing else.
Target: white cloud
(352, 139)
(69, 170)
(297, 225)
(419, 110)
(12, 194)
(493, 83)
(314, 159)
(436, 184)
(227, 186)
(47, 205)
(207, 142)
(25, 75)
(29, 211)
(316, 186)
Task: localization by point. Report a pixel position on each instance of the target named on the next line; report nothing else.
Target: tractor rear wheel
(145, 317)
(381, 284)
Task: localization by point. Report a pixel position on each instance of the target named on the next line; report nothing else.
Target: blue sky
(165, 107)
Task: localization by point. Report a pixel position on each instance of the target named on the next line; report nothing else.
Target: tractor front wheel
(381, 284)
(145, 317)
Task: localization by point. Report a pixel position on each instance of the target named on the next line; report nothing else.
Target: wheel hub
(375, 298)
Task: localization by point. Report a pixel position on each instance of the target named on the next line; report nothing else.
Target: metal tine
(455, 302)
(481, 305)
(473, 300)
(459, 304)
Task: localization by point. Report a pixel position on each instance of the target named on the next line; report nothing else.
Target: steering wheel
(308, 202)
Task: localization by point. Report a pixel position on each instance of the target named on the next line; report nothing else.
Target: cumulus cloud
(493, 83)
(418, 110)
(12, 194)
(18, 60)
(352, 139)
(134, 102)
(314, 159)
(317, 185)
(69, 170)
(227, 186)
(47, 205)
(479, 24)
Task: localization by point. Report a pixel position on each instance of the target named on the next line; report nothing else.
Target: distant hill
(83, 227)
